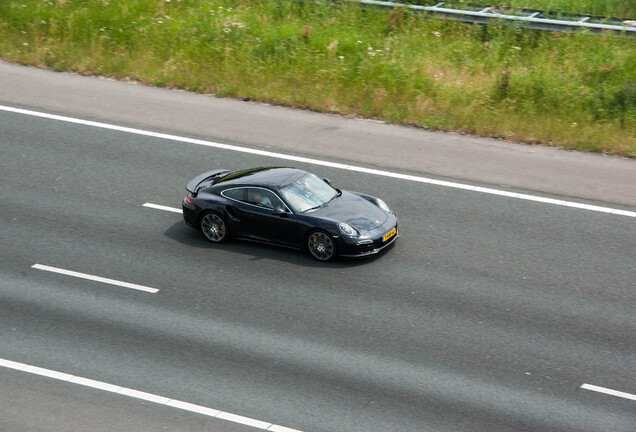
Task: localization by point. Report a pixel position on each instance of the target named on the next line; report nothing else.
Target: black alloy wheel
(214, 227)
(321, 246)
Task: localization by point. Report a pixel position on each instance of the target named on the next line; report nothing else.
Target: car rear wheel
(321, 246)
(214, 227)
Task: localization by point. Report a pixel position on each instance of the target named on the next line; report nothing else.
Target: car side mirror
(326, 180)
(279, 212)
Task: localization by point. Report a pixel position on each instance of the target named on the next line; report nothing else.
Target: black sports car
(288, 207)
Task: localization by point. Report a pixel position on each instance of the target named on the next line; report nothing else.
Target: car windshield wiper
(324, 204)
(321, 205)
(313, 208)
(333, 198)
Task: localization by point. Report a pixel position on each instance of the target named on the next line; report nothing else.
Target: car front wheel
(214, 227)
(321, 246)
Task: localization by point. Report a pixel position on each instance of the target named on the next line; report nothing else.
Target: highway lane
(487, 315)
(360, 141)
(68, 407)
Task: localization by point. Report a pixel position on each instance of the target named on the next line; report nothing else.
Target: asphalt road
(488, 314)
(587, 176)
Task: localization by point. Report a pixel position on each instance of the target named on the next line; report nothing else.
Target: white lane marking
(244, 420)
(320, 162)
(47, 373)
(609, 391)
(94, 278)
(276, 428)
(161, 400)
(161, 207)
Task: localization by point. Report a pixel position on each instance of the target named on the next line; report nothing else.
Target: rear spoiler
(208, 175)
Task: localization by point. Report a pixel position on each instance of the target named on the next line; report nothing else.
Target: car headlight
(347, 230)
(383, 206)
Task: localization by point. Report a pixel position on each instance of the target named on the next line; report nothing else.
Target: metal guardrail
(533, 19)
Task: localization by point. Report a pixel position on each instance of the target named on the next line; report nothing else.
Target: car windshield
(308, 193)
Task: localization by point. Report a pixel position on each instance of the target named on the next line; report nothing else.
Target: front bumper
(357, 248)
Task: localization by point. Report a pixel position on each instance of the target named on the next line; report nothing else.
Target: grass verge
(574, 91)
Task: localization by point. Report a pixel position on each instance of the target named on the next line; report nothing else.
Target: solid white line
(193, 408)
(243, 420)
(161, 400)
(161, 207)
(94, 278)
(143, 396)
(47, 373)
(95, 384)
(11, 364)
(609, 391)
(318, 162)
(276, 428)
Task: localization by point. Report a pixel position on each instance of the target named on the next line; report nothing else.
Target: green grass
(567, 90)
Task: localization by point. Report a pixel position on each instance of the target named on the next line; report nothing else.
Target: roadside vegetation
(573, 91)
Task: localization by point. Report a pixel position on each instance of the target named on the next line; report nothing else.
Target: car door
(269, 218)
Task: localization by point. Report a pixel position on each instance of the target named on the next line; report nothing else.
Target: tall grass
(567, 90)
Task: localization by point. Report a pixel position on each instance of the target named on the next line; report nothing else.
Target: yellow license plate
(389, 234)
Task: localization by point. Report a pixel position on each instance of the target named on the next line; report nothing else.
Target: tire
(214, 227)
(321, 246)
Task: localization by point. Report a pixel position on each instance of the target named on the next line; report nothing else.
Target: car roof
(263, 176)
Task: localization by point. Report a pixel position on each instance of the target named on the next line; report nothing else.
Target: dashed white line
(94, 278)
(609, 391)
(161, 400)
(337, 165)
(162, 207)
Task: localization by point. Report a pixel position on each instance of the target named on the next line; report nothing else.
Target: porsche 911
(288, 207)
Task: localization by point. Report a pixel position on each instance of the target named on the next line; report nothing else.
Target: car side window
(264, 198)
(239, 194)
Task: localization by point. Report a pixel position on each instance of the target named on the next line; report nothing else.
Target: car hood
(354, 210)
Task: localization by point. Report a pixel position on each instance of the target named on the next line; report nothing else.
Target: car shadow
(187, 236)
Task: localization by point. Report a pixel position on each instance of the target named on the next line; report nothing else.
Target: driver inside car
(262, 200)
